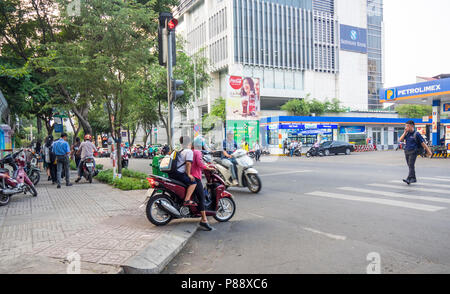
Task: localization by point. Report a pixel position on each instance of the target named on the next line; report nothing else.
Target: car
(103, 152)
(336, 147)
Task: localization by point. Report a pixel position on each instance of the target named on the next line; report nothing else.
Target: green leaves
(306, 107)
(414, 111)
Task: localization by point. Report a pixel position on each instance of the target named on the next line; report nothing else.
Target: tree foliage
(414, 111)
(307, 106)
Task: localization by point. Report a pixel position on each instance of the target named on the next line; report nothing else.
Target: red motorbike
(166, 197)
(19, 182)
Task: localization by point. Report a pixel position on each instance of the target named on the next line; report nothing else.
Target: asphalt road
(326, 215)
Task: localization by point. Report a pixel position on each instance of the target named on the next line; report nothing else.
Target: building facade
(325, 48)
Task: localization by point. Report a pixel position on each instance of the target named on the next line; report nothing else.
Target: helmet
(87, 137)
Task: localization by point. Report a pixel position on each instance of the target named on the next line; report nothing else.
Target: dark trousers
(199, 192)
(52, 168)
(257, 154)
(63, 163)
(77, 161)
(411, 156)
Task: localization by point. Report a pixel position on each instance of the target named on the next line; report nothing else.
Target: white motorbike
(247, 176)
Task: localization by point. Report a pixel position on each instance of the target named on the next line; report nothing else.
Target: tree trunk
(39, 126)
(81, 112)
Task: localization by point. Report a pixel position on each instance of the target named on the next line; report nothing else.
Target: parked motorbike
(125, 157)
(297, 152)
(165, 200)
(88, 170)
(19, 182)
(247, 176)
(33, 171)
(313, 151)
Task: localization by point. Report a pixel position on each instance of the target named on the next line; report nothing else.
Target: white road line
(403, 204)
(444, 177)
(395, 195)
(412, 187)
(424, 184)
(286, 173)
(435, 179)
(335, 237)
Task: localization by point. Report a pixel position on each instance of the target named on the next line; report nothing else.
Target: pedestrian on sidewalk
(414, 143)
(50, 159)
(74, 154)
(62, 151)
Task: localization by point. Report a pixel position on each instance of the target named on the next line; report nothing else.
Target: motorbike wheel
(308, 154)
(90, 178)
(4, 199)
(32, 190)
(254, 183)
(226, 210)
(156, 215)
(35, 177)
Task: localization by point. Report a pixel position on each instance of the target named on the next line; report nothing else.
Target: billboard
(419, 90)
(353, 39)
(243, 101)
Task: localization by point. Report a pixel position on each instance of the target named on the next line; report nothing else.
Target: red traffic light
(172, 23)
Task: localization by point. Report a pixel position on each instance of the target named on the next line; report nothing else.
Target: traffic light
(167, 25)
(177, 93)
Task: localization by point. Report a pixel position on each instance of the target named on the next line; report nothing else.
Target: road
(326, 215)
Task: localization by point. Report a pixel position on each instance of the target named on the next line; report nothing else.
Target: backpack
(420, 149)
(169, 164)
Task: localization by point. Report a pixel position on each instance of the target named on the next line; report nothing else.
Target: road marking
(443, 177)
(425, 184)
(396, 195)
(286, 173)
(435, 179)
(335, 237)
(411, 188)
(260, 216)
(410, 205)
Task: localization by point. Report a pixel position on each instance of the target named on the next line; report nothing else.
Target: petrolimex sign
(353, 39)
(419, 90)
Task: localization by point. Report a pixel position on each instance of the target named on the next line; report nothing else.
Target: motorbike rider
(87, 149)
(183, 172)
(197, 167)
(229, 146)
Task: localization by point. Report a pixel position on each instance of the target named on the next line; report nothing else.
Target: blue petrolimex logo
(353, 39)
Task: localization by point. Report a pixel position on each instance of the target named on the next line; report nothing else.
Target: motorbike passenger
(184, 166)
(87, 149)
(197, 167)
(229, 146)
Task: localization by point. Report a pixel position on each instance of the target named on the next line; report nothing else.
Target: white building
(326, 48)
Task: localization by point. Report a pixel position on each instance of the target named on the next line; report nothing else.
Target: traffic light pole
(169, 86)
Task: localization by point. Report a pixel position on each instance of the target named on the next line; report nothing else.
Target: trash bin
(155, 166)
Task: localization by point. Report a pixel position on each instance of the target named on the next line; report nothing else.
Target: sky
(417, 40)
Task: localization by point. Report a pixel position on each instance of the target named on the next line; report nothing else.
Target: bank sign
(353, 39)
(419, 90)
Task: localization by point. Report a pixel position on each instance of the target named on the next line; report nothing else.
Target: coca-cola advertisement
(243, 100)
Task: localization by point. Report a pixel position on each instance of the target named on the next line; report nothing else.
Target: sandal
(189, 203)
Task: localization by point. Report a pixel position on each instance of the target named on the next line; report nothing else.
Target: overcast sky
(417, 39)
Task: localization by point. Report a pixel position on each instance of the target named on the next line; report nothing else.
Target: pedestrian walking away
(414, 144)
(62, 151)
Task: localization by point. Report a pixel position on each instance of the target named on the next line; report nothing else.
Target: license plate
(149, 192)
(88, 164)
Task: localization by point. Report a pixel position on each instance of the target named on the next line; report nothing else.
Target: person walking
(414, 142)
(74, 154)
(285, 146)
(291, 149)
(257, 150)
(62, 151)
(50, 159)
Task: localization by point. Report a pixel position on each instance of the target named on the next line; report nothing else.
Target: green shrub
(134, 174)
(99, 166)
(126, 182)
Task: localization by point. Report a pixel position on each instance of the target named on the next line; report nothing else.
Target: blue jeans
(291, 152)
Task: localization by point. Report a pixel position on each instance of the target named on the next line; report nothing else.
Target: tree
(414, 111)
(217, 114)
(297, 107)
(334, 106)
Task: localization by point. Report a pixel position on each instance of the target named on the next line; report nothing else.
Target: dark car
(336, 147)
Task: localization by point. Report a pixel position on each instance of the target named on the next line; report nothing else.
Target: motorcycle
(88, 170)
(125, 157)
(19, 182)
(165, 199)
(313, 151)
(247, 176)
(33, 171)
(297, 152)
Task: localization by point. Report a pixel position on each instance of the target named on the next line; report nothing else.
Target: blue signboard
(307, 127)
(419, 90)
(353, 39)
(446, 107)
(353, 130)
(58, 128)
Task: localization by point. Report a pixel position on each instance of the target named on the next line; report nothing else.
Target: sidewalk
(105, 226)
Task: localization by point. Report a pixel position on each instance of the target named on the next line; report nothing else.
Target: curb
(155, 257)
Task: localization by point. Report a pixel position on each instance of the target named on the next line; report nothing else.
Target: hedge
(131, 180)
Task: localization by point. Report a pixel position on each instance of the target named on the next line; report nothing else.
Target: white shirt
(185, 156)
(256, 146)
